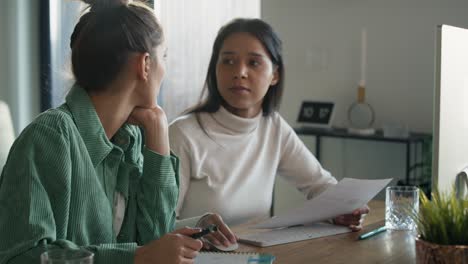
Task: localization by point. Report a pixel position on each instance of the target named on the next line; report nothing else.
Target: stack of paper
(343, 198)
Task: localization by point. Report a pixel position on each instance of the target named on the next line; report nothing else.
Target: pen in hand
(373, 232)
(205, 231)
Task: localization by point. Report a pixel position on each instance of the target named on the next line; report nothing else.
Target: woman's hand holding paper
(353, 220)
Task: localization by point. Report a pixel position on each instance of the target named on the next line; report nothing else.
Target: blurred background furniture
(418, 155)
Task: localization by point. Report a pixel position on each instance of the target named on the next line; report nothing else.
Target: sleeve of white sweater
(180, 146)
(299, 166)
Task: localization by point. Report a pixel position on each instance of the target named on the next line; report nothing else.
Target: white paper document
(342, 198)
(292, 234)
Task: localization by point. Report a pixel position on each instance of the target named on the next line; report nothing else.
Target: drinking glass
(400, 201)
(67, 256)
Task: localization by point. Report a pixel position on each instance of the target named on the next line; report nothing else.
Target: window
(190, 29)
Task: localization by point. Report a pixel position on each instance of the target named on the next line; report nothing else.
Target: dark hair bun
(98, 4)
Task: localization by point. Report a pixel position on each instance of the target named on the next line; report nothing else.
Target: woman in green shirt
(78, 175)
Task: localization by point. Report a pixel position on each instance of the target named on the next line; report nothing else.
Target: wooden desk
(388, 247)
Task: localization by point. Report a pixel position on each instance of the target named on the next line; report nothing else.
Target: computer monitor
(450, 137)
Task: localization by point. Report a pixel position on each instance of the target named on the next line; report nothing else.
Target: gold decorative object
(361, 115)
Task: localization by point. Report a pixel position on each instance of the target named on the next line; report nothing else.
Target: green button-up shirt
(58, 185)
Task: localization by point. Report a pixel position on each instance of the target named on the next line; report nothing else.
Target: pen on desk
(373, 232)
(205, 231)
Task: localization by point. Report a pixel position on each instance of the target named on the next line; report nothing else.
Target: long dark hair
(270, 41)
(104, 37)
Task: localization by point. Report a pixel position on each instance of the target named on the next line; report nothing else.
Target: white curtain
(63, 17)
(7, 135)
(190, 29)
(19, 59)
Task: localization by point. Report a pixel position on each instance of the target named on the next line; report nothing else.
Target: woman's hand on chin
(154, 122)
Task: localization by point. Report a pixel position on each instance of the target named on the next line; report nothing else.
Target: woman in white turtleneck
(232, 145)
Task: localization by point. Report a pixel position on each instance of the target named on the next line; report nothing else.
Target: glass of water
(400, 201)
(67, 256)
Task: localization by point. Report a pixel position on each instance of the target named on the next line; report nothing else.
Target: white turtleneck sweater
(230, 167)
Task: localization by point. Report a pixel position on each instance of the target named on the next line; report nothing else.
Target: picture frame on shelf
(317, 114)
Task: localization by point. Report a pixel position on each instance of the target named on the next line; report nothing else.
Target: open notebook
(233, 258)
(273, 237)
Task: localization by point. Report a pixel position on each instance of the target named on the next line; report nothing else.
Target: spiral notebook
(292, 234)
(233, 258)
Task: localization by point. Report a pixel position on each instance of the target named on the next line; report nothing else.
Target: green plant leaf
(442, 220)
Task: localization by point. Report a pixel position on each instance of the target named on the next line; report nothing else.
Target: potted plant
(442, 224)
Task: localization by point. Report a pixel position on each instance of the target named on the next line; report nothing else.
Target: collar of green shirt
(90, 127)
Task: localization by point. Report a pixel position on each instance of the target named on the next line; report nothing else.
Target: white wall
(322, 55)
(19, 60)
